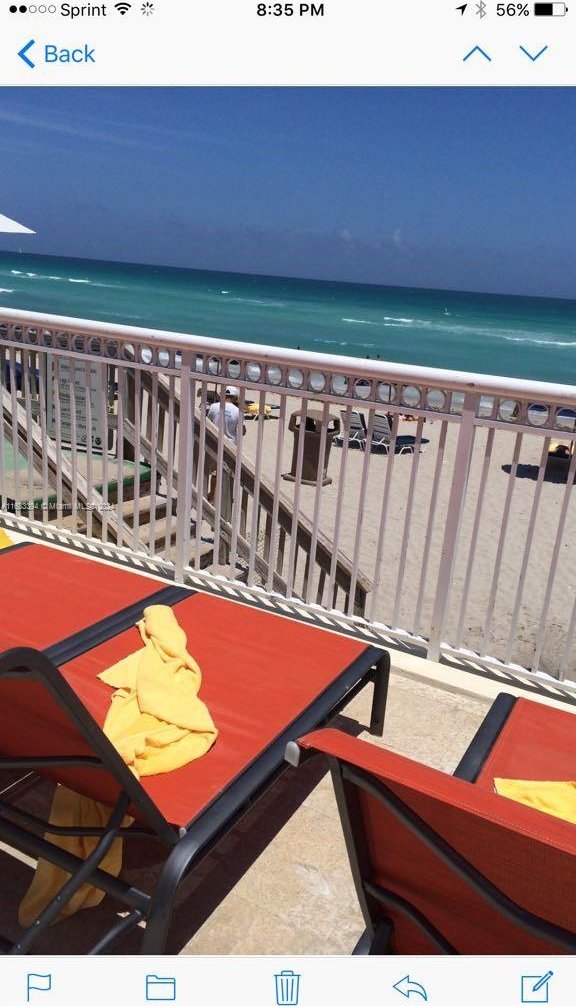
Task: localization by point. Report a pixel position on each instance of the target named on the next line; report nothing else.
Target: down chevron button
(529, 54)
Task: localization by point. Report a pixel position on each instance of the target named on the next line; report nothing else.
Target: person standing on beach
(231, 420)
(231, 414)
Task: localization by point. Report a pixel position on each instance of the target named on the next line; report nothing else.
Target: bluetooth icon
(481, 9)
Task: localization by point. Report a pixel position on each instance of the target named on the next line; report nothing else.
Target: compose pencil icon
(535, 988)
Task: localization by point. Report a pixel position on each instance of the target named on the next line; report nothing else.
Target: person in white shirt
(231, 414)
(231, 421)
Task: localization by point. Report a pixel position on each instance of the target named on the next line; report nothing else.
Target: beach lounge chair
(266, 680)
(560, 451)
(442, 864)
(354, 430)
(252, 410)
(382, 436)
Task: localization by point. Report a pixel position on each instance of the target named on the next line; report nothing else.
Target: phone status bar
(74, 11)
(252, 42)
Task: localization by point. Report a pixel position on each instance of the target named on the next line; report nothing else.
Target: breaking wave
(256, 303)
(359, 321)
(536, 342)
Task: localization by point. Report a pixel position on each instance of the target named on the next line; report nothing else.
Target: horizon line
(277, 276)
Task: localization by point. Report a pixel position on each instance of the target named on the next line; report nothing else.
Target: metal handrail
(438, 544)
(538, 391)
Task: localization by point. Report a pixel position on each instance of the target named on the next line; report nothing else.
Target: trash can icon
(287, 988)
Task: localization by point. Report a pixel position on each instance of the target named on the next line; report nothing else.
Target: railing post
(185, 452)
(454, 513)
(130, 413)
(360, 596)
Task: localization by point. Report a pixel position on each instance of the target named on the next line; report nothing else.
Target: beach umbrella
(9, 226)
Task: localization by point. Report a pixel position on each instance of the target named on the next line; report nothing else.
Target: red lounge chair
(442, 864)
(267, 679)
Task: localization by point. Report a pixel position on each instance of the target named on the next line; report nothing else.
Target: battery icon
(550, 9)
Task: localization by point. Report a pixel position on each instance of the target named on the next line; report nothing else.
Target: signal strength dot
(123, 8)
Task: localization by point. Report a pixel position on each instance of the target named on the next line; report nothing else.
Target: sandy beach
(400, 611)
(387, 516)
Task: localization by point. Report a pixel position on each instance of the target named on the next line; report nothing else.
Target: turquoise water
(512, 336)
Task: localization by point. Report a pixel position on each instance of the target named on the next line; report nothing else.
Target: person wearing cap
(231, 420)
(231, 414)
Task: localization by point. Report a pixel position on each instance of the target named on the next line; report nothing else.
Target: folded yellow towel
(4, 539)
(157, 723)
(556, 798)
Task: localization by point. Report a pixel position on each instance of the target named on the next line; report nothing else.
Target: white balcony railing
(463, 546)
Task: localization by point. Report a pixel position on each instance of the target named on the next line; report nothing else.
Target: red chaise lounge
(266, 680)
(444, 865)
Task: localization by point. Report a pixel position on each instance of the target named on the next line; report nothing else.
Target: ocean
(525, 337)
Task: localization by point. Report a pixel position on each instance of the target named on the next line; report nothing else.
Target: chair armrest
(471, 763)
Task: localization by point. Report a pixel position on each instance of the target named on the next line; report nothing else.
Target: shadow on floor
(556, 472)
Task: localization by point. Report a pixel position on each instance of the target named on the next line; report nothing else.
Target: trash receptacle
(311, 459)
(287, 988)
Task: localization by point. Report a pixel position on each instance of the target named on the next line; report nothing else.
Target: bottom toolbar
(275, 981)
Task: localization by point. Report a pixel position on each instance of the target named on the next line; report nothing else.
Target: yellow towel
(157, 723)
(70, 809)
(254, 409)
(156, 720)
(556, 798)
(4, 539)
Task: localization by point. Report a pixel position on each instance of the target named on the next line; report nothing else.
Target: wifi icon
(122, 8)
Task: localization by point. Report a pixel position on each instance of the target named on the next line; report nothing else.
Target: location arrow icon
(408, 988)
(462, 8)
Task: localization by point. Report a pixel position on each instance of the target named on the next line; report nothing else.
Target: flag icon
(37, 983)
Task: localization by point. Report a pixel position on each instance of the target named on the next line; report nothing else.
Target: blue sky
(455, 188)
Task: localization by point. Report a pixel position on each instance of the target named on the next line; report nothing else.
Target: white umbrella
(12, 227)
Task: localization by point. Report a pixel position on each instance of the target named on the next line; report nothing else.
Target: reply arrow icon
(408, 988)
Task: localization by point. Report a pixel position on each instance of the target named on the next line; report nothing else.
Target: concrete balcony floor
(297, 896)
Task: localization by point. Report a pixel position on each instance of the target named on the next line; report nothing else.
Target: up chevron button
(478, 50)
(529, 54)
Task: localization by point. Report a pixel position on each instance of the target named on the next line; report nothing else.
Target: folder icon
(160, 990)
